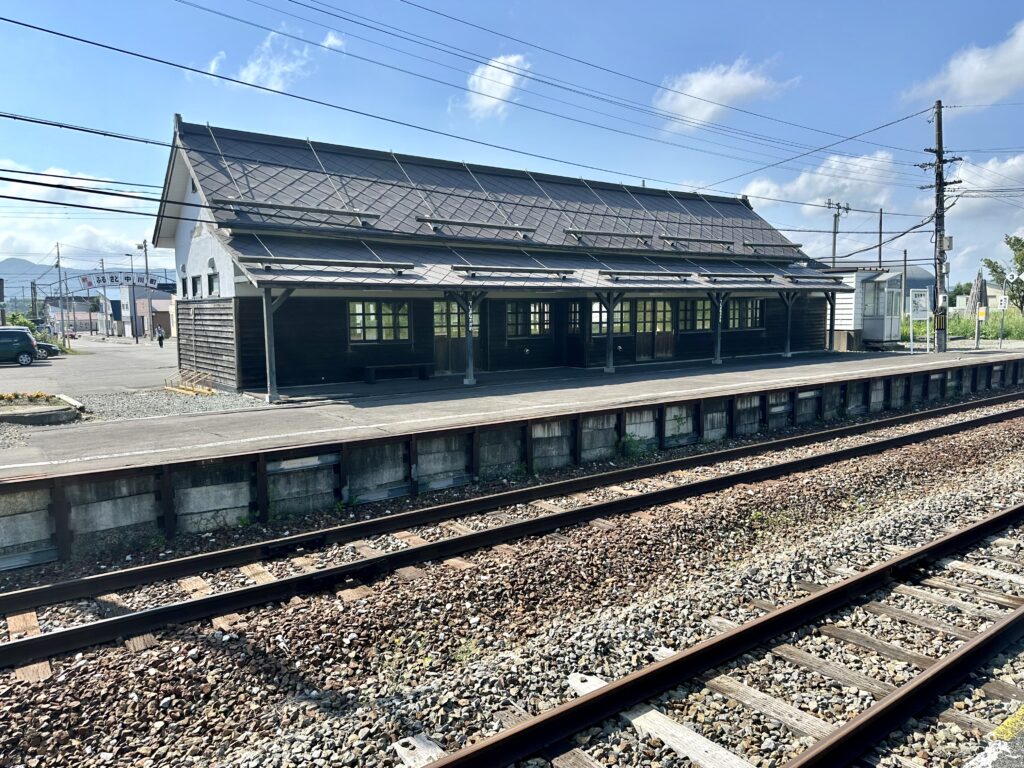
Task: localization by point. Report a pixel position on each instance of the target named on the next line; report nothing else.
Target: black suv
(17, 345)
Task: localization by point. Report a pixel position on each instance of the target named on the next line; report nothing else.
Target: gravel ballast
(321, 679)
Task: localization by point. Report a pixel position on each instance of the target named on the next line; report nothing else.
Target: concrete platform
(409, 405)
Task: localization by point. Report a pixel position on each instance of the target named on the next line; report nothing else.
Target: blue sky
(842, 70)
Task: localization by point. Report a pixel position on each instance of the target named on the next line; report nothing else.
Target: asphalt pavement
(102, 367)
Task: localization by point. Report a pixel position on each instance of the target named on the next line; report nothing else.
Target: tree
(94, 304)
(960, 289)
(997, 271)
(18, 318)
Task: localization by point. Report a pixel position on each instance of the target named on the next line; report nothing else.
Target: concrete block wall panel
(831, 401)
(808, 406)
(898, 392)
(746, 418)
(302, 490)
(210, 507)
(952, 384)
(917, 388)
(856, 398)
(876, 395)
(643, 425)
(138, 509)
(24, 531)
(501, 451)
(716, 420)
(997, 377)
(553, 443)
(378, 472)
(779, 409)
(600, 439)
(442, 461)
(680, 428)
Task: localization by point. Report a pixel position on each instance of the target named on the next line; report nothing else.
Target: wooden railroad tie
(417, 751)
(26, 624)
(114, 605)
(572, 758)
(197, 586)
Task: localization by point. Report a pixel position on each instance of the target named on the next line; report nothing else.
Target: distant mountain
(18, 274)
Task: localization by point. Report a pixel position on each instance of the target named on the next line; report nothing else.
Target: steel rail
(872, 725)
(565, 720)
(74, 638)
(98, 584)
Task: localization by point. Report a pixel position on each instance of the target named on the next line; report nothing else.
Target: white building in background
(871, 315)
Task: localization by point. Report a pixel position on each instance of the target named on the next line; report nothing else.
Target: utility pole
(131, 296)
(35, 309)
(106, 315)
(149, 293)
(940, 226)
(879, 238)
(840, 208)
(904, 297)
(60, 299)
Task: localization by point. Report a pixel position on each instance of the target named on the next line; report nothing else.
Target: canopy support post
(469, 302)
(718, 299)
(609, 301)
(788, 297)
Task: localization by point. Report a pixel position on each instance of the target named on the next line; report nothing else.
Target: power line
(868, 175)
(625, 75)
(159, 143)
(79, 178)
(532, 76)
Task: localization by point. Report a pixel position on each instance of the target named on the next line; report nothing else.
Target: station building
(304, 263)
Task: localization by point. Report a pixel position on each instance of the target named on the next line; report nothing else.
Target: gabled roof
(258, 183)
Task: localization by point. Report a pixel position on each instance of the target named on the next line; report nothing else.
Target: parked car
(17, 345)
(45, 349)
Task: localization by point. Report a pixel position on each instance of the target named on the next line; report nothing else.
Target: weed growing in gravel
(466, 651)
(632, 447)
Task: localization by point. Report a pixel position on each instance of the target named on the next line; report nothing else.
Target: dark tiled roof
(399, 189)
(294, 262)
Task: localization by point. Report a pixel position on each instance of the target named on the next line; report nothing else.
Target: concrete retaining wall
(83, 514)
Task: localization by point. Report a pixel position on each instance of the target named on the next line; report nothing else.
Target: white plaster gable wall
(195, 244)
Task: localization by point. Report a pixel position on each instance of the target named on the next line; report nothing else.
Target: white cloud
(976, 74)
(492, 81)
(34, 227)
(727, 84)
(276, 63)
(832, 179)
(215, 62)
(333, 40)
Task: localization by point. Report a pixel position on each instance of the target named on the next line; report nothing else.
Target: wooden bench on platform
(423, 370)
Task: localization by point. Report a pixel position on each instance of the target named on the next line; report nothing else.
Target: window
(195, 287)
(695, 315)
(394, 321)
(378, 321)
(874, 298)
(213, 284)
(450, 320)
(621, 319)
(574, 318)
(744, 314)
(184, 287)
(663, 317)
(527, 318)
(362, 321)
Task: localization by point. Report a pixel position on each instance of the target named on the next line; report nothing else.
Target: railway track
(123, 622)
(928, 574)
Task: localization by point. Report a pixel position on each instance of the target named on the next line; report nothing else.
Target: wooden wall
(206, 339)
(312, 345)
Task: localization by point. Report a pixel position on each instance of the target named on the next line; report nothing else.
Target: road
(103, 366)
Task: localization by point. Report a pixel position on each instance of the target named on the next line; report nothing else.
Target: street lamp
(149, 294)
(131, 296)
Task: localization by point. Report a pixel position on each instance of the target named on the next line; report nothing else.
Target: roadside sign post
(920, 309)
(982, 316)
(1004, 302)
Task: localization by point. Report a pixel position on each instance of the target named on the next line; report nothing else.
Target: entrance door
(664, 333)
(893, 314)
(655, 336)
(644, 329)
(450, 337)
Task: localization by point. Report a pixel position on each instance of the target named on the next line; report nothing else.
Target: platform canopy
(294, 263)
